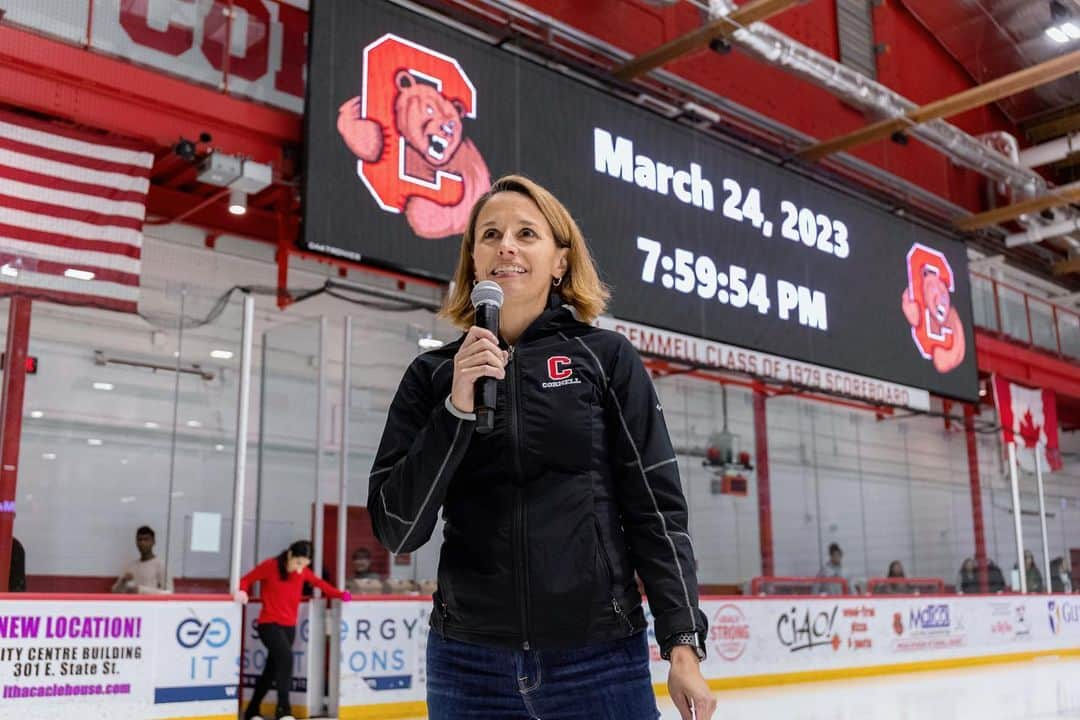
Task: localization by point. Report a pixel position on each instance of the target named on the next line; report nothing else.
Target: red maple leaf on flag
(1029, 431)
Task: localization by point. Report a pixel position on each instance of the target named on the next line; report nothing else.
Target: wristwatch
(683, 638)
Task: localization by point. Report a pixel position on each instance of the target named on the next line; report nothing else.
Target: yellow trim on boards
(230, 716)
(749, 681)
(418, 708)
(267, 709)
(387, 711)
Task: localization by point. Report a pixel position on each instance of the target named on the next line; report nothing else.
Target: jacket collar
(557, 316)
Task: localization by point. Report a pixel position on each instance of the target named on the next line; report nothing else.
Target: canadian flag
(1028, 418)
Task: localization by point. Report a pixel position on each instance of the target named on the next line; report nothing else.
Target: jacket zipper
(611, 577)
(522, 535)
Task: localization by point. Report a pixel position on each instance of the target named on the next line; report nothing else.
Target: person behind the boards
(145, 576)
(364, 580)
(281, 581)
(549, 516)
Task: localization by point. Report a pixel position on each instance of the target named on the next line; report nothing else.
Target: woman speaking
(549, 516)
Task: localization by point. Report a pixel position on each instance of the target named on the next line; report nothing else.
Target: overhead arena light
(1064, 29)
(237, 202)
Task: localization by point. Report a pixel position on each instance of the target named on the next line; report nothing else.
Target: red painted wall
(914, 64)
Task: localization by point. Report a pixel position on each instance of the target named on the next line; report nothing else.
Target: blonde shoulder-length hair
(581, 286)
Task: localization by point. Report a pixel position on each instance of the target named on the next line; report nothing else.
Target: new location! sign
(409, 121)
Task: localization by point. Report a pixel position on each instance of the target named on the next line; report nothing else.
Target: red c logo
(387, 179)
(555, 369)
(931, 332)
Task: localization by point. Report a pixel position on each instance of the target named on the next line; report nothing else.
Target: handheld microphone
(487, 298)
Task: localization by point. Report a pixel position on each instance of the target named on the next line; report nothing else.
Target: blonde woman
(549, 516)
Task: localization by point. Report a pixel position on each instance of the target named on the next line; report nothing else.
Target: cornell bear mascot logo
(407, 129)
(927, 305)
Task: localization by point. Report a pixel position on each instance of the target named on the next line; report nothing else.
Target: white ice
(1040, 689)
(1036, 690)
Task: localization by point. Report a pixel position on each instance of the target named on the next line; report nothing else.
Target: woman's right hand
(479, 356)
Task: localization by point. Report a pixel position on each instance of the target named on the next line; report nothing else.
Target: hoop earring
(474, 282)
(556, 282)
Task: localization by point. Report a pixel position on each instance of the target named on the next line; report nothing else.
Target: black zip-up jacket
(548, 517)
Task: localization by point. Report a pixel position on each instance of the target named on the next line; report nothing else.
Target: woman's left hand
(688, 689)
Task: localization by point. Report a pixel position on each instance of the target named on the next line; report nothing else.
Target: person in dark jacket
(17, 574)
(1060, 577)
(895, 574)
(1033, 575)
(967, 581)
(549, 516)
(995, 578)
(281, 583)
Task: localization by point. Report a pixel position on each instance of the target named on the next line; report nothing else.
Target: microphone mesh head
(487, 291)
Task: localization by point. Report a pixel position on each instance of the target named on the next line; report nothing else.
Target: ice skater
(281, 580)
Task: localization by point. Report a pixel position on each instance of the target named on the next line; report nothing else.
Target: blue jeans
(609, 681)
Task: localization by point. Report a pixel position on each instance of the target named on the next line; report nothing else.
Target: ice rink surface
(1040, 689)
(1036, 690)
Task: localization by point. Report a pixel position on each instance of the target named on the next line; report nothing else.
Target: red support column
(761, 460)
(976, 496)
(11, 407)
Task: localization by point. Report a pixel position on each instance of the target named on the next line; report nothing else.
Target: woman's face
(968, 566)
(515, 247)
(896, 570)
(295, 563)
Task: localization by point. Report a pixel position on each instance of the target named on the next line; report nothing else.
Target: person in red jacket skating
(281, 581)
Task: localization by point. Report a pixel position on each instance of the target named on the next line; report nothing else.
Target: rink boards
(752, 641)
(181, 657)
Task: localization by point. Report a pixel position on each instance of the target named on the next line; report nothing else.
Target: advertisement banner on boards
(383, 643)
(92, 659)
(410, 120)
(383, 651)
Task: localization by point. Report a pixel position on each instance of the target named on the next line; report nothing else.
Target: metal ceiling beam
(721, 28)
(1055, 198)
(1048, 128)
(953, 105)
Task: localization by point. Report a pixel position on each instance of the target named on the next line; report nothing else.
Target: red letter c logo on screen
(556, 371)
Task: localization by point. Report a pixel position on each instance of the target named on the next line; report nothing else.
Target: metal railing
(905, 586)
(1017, 315)
(763, 585)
